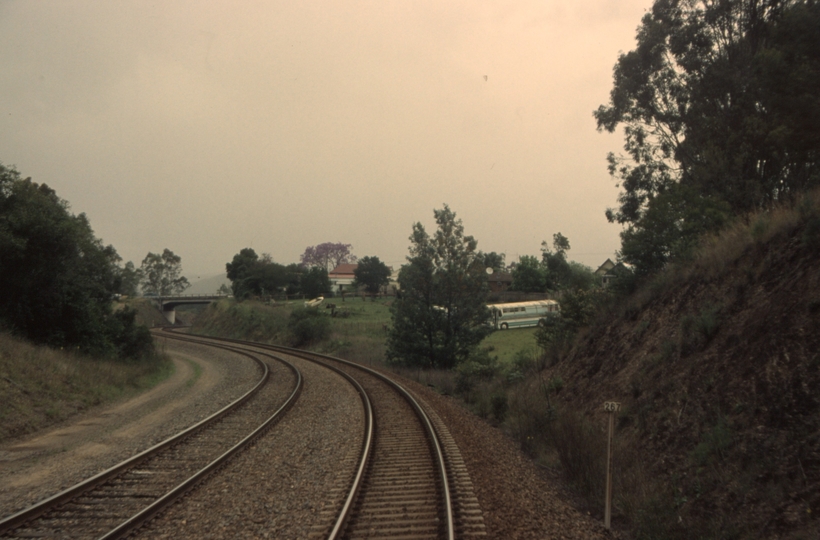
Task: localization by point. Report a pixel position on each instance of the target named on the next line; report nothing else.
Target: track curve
(412, 481)
(114, 502)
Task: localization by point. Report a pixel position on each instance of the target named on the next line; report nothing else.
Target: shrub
(698, 331)
(582, 451)
(131, 340)
(308, 326)
(480, 366)
(499, 406)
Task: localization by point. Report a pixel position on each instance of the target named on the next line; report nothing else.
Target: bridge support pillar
(170, 315)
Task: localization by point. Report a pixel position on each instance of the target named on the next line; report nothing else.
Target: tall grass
(40, 386)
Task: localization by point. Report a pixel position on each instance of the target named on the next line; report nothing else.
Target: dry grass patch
(41, 386)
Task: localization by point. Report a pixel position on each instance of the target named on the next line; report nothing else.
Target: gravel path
(40, 465)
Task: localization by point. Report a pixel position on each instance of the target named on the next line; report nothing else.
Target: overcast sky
(208, 127)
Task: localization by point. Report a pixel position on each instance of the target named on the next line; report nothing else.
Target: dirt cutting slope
(718, 370)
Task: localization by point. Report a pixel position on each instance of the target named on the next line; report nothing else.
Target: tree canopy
(56, 278)
(553, 272)
(161, 274)
(720, 103)
(372, 274)
(494, 260)
(315, 282)
(441, 315)
(328, 255)
(529, 275)
(252, 275)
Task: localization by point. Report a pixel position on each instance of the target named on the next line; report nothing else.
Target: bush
(308, 326)
(480, 366)
(131, 340)
(499, 406)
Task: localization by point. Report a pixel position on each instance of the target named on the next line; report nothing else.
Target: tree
(56, 278)
(441, 315)
(578, 309)
(708, 120)
(252, 275)
(161, 274)
(555, 262)
(241, 265)
(372, 274)
(529, 275)
(554, 272)
(327, 255)
(494, 260)
(129, 280)
(580, 277)
(315, 282)
(670, 229)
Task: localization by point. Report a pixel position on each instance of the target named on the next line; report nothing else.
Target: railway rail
(410, 481)
(118, 500)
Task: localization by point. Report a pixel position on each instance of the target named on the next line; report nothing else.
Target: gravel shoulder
(41, 464)
(518, 498)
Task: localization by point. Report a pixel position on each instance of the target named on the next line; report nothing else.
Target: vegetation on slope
(716, 363)
(40, 386)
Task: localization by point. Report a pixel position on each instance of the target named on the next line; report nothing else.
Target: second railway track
(114, 502)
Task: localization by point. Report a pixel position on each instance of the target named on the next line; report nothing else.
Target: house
(499, 281)
(609, 271)
(342, 277)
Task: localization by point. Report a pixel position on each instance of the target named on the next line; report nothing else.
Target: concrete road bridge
(168, 304)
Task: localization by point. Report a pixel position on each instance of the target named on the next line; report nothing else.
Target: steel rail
(367, 442)
(430, 430)
(428, 426)
(148, 512)
(37, 510)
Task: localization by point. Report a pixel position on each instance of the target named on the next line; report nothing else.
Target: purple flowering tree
(328, 255)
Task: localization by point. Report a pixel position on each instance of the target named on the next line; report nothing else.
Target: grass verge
(41, 386)
(197, 373)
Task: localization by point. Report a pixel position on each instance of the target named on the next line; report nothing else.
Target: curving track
(410, 481)
(114, 502)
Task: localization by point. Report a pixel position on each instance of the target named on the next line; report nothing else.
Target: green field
(359, 327)
(367, 318)
(506, 343)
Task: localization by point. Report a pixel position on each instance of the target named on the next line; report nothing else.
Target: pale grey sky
(208, 127)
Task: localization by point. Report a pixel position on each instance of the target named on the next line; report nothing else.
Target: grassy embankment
(40, 386)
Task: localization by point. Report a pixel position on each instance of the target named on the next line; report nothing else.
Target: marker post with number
(610, 407)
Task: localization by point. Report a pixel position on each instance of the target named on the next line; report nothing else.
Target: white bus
(522, 314)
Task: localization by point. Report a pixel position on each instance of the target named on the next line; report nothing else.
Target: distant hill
(207, 285)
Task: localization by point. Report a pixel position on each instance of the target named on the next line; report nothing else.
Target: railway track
(410, 481)
(116, 501)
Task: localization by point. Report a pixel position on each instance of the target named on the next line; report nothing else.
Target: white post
(611, 407)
